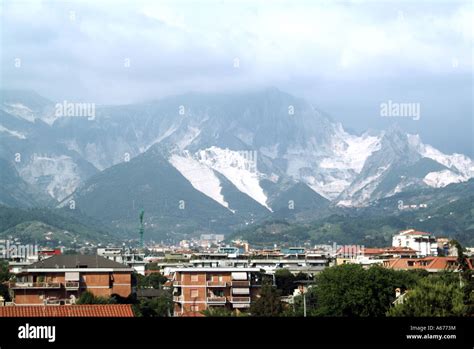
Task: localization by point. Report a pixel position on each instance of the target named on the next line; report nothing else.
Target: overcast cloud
(346, 57)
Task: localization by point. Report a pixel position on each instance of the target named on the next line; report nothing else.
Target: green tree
(466, 279)
(161, 306)
(431, 297)
(350, 290)
(285, 281)
(154, 280)
(4, 277)
(218, 312)
(89, 298)
(268, 304)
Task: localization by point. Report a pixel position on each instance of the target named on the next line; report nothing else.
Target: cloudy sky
(346, 57)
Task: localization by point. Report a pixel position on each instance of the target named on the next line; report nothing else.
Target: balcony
(71, 285)
(240, 283)
(240, 299)
(216, 300)
(54, 301)
(216, 284)
(35, 285)
(241, 291)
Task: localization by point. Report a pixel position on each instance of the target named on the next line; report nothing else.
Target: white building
(124, 256)
(423, 243)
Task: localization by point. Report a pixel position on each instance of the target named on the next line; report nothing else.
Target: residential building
(230, 251)
(198, 289)
(369, 256)
(423, 243)
(430, 264)
(61, 279)
(124, 256)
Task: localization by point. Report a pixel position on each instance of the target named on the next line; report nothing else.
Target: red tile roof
(413, 232)
(374, 251)
(400, 250)
(83, 310)
(428, 263)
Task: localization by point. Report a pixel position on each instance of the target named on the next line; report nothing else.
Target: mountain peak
(28, 98)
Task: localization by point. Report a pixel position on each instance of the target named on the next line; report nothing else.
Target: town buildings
(424, 243)
(218, 277)
(128, 257)
(61, 279)
(197, 289)
(431, 264)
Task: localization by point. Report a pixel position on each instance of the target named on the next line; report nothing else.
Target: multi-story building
(61, 279)
(309, 263)
(430, 264)
(133, 259)
(423, 243)
(369, 256)
(198, 289)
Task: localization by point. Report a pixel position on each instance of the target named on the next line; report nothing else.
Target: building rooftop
(84, 310)
(400, 250)
(216, 269)
(413, 232)
(78, 261)
(427, 263)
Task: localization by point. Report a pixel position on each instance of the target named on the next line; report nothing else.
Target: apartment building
(423, 243)
(309, 263)
(197, 289)
(367, 257)
(430, 264)
(61, 279)
(127, 257)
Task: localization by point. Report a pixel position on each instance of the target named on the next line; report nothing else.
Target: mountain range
(198, 162)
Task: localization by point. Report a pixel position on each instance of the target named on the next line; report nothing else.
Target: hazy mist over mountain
(220, 115)
(346, 58)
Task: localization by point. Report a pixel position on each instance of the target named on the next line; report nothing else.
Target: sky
(345, 57)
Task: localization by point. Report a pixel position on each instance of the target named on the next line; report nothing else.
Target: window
(194, 307)
(194, 293)
(194, 277)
